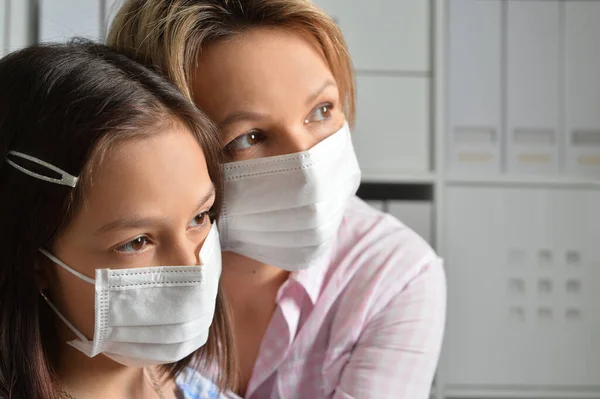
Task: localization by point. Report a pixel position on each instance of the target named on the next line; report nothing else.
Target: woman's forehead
(261, 66)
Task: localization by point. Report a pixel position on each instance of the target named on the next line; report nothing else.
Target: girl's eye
(245, 141)
(321, 113)
(135, 245)
(201, 219)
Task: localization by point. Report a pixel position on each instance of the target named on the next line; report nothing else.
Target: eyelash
(330, 107)
(230, 148)
(260, 136)
(123, 248)
(210, 214)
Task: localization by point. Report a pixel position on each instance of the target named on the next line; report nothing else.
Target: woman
(108, 182)
(330, 298)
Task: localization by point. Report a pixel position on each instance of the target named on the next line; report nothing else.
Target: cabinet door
(377, 204)
(111, 7)
(3, 24)
(524, 283)
(533, 85)
(63, 19)
(582, 89)
(20, 25)
(418, 215)
(383, 34)
(474, 86)
(392, 126)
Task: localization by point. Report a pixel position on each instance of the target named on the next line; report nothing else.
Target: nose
(184, 251)
(292, 140)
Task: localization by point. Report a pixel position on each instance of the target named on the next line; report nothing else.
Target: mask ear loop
(66, 179)
(76, 274)
(67, 268)
(64, 319)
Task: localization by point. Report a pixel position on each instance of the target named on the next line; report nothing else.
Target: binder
(533, 86)
(474, 86)
(582, 88)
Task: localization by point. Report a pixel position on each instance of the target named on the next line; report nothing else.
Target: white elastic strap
(65, 178)
(67, 268)
(64, 319)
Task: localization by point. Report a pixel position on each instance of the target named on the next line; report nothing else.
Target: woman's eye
(245, 141)
(321, 113)
(135, 245)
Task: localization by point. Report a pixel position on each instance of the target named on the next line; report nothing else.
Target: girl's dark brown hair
(67, 105)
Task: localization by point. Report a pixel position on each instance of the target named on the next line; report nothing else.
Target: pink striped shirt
(366, 324)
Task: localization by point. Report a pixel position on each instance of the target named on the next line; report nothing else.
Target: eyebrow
(136, 222)
(241, 116)
(209, 194)
(255, 116)
(318, 92)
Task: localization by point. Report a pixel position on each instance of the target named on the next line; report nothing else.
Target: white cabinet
(111, 7)
(60, 21)
(474, 85)
(582, 88)
(3, 24)
(523, 275)
(384, 35)
(533, 86)
(377, 204)
(392, 125)
(418, 215)
(20, 25)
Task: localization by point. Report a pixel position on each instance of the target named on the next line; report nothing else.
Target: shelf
(529, 181)
(398, 178)
(524, 393)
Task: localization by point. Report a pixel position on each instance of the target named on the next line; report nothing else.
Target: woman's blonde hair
(169, 35)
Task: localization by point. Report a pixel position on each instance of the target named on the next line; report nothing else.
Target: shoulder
(362, 222)
(378, 238)
(376, 250)
(194, 385)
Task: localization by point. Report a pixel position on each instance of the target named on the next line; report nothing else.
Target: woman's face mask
(286, 210)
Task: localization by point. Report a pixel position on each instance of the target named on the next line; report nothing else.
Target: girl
(110, 262)
(330, 298)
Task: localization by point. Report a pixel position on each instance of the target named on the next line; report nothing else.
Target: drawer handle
(474, 134)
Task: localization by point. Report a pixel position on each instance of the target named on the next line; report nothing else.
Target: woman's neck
(250, 282)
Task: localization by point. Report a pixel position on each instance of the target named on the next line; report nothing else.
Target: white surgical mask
(285, 210)
(153, 315)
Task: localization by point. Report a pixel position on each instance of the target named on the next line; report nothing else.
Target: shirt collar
(312, 278)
